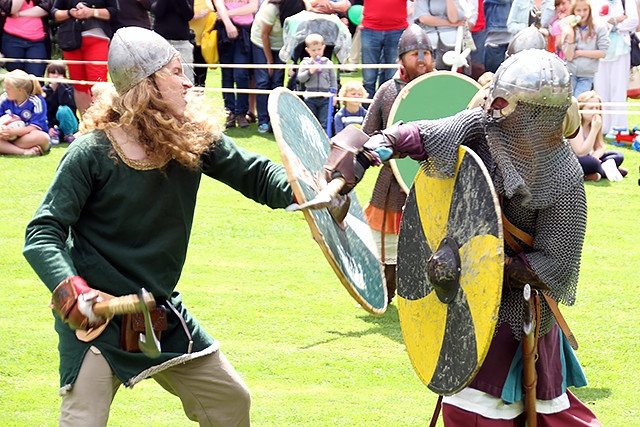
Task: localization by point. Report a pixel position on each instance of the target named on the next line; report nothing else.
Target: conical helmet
(414, 37)
(135, 53)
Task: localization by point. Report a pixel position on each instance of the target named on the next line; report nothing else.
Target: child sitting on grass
(589, 145)
(353, 112)
(23, 127)
(61, 106)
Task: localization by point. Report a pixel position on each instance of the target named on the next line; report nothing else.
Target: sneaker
(242, 121)
(231, 121)
(54, 136)
(263, 128)
(592, 177)
(251, 117)
(611, 170)
(69, 139)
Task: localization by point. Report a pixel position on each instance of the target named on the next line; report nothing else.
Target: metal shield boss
(450, 267)
(431, 96)
(347, 244)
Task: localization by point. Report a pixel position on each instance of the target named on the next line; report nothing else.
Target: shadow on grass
(589, 394)
(386, 324)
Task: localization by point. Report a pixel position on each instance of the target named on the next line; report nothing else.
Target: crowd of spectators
(255, 32)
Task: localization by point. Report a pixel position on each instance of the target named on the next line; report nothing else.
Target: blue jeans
(265, 82)
(319, 106)
(378, 47)
(232, 53)
(592, 165)
(494, 56)
(581, 84)
(17, 47)
(478, 54)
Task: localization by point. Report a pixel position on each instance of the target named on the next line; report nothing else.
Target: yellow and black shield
(450, 267)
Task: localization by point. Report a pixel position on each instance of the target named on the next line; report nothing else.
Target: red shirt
(385, 15)
(480, 22)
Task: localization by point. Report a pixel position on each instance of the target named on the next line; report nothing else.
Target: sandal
(33, 152)
(251, 117)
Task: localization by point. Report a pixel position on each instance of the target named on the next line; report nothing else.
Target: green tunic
(122, 227)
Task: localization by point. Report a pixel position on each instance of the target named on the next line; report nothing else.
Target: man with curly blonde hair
(118, 216)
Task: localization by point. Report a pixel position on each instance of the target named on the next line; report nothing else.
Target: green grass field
(259, 283)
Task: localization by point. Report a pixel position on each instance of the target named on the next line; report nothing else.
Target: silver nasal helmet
(136, 53)
(532, 76)
(528, 38)
(414, 37)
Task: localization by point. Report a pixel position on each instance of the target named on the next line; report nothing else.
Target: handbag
(633, 88)
(635, 50)
(209, 41)
(617, 46)
(69, 35)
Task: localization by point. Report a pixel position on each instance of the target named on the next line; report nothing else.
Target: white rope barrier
(197, 65)
(606, 105)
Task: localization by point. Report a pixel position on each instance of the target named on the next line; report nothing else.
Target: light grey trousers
(211, 391)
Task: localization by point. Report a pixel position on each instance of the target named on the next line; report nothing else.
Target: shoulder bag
(69, 35)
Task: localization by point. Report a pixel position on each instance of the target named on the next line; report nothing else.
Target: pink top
(239, 20)
(25, 27)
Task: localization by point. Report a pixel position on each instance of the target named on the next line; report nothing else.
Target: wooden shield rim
(316, 233)
(500, 246)
(402, 95)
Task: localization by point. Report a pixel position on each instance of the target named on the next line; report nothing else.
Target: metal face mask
(533, 76)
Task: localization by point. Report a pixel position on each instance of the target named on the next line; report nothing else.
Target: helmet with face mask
(532, 76)
(136, 53)
(414, 38)
(526, 106)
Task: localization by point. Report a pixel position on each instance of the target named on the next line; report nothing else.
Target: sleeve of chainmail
(373, 121)
(442, 138)
(557, 244)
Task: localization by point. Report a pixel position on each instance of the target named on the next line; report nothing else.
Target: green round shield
(348, 246)
(431, 96)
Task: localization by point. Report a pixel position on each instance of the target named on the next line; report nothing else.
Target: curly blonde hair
(355, 85)
(162, 134)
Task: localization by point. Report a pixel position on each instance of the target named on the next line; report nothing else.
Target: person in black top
(95, 17)
(133, 13)
(171, 21)
(61, 106)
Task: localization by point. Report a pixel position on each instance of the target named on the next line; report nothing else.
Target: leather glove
(352, 153)
(73, 300)
(517, 274)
